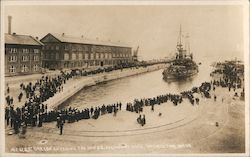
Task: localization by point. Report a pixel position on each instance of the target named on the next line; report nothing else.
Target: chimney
(9, 25)
(37, 38)
(82, 36)
(62, 34)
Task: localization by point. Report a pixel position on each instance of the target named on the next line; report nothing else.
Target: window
(36, 51)
(57, 47)
(86, 56)
(12, 58)
(97, 49)
(52, 56)
(52, 47)
(79, 48)
(13, 50)
(91, 56)
(25, 58)
(57, 56)
(46, 55)
(73, 56)
(12, 69)
(35, 67)
(66, 56)
(101, 56)
(97, 55)
(85, 48)
(36, 58)
(105, 49)
(66, 47)
(80, 56)
(109, 49)
(73, 48)
(25, 50)
(24, 68)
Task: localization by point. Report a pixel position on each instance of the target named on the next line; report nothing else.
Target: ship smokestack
(9, 24)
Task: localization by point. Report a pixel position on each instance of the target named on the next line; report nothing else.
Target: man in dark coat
(61, 127)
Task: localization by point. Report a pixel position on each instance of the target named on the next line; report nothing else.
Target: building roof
(83, 40)
(21, 40)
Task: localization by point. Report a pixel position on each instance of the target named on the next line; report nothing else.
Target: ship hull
(167, 75)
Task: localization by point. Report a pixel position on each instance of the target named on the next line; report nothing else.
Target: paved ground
(180, 129)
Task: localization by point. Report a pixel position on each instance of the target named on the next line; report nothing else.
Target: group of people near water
(48, 86)
(34, 112)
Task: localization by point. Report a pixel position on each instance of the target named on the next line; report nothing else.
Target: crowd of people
(47, 86)
(121, 66)
(35, 113)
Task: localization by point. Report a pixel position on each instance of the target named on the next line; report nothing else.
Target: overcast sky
(213, 30)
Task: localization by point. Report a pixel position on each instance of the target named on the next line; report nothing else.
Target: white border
(124, 2)
(2, 84)
(247, 60)
(245, 3)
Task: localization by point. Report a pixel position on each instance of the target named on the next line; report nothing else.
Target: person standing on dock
(215, 97)
(8, 89)
(20, 97)
(91, 110)
(61, 127)
(152, 107)
(120, 106)
(115, 111)
(143, 120)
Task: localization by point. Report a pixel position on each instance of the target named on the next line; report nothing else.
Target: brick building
(66, 52)
(22, 54)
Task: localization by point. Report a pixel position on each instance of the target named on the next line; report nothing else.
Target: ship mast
(179, 46)
(180, 36)
(188, 47)
(188, 44)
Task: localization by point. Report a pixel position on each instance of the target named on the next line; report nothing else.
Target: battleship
(183, 65)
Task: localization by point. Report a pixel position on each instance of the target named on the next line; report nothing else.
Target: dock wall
(76, 84)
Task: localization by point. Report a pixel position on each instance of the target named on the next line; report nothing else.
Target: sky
(215, 31)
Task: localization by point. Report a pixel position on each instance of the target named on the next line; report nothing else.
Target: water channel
(140, 86)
